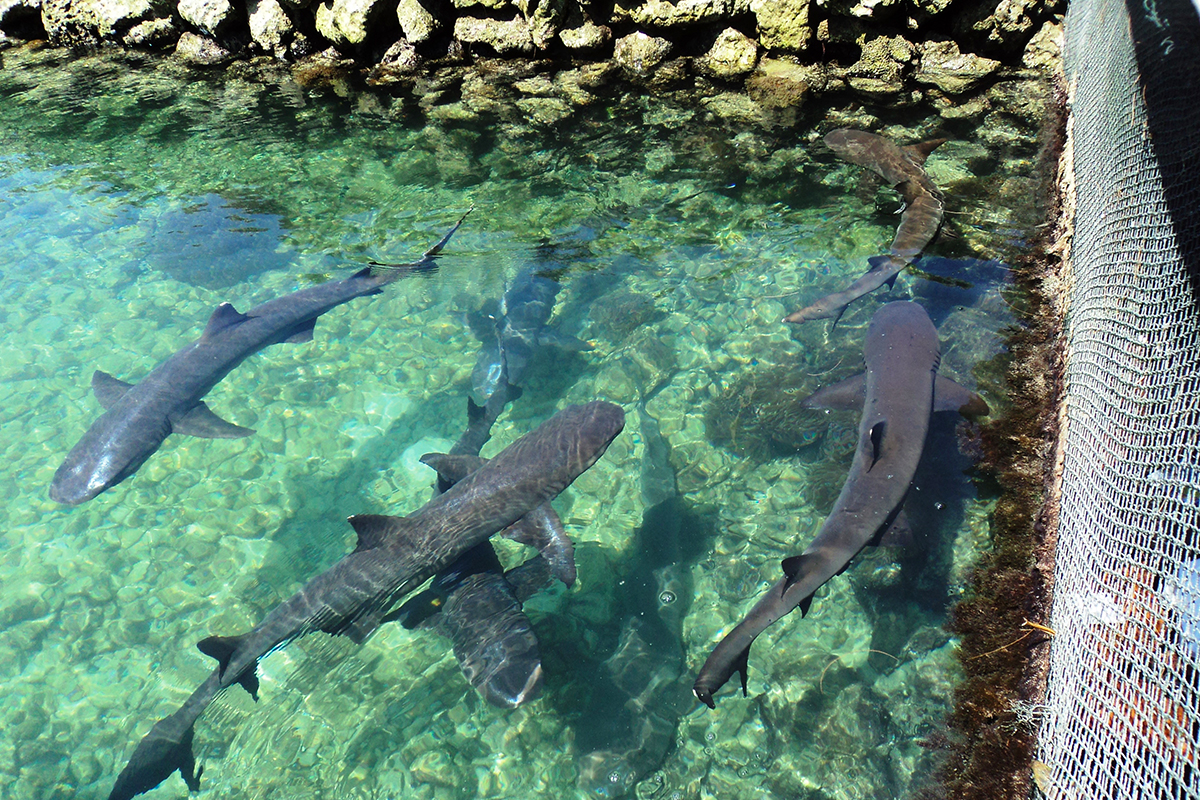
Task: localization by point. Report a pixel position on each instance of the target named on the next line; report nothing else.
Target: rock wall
(770, 56)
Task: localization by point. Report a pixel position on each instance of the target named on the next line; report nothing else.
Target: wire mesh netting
(1123, 719)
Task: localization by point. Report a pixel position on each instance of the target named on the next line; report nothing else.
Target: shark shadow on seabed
(627, 684)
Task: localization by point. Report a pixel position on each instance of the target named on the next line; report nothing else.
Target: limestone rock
(22, 18)
(1044, 51)
(1006, 25)
(783, 24)
(270, 27)
(881, 69)
(348, 22)
(586, 37)
(159, 33)
(494, 5)
(211, 17)
(504, 36)
(951, 71)
(200, 51)
(544, 110)
(732, 55)
(640, 53)
(666, 14)
(417, 20)
(74, 22)
(544, 18)
(777, 83)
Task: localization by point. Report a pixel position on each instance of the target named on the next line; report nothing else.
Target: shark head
(81, 477)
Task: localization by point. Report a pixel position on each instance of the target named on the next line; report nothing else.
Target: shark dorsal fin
(878, 431)
(224, 317)
(920, 151)
(375, 529)
(452, 468)
(845, 395)
(950, 396)
(108, 390)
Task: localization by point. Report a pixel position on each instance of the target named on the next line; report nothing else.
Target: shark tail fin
(222, 649)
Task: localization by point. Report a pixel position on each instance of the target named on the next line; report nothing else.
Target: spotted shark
(904, 169)
(393, 555)
(139, 417)
(897, 395)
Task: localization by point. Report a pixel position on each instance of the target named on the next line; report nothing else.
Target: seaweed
(989, 745)
(759, 416)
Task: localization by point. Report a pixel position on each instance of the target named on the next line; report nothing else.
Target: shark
(897, 395)
(520, 329)
(477, 605)
(904, 169)
(139, 417)
(393, 555)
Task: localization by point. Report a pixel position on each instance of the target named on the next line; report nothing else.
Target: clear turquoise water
(135, 197)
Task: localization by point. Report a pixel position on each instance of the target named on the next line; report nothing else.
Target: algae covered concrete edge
(756, 60)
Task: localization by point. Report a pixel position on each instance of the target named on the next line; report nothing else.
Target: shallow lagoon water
(136, 196)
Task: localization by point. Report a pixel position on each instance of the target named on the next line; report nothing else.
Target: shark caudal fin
(222, 649)
(392, 272)
(153, 761)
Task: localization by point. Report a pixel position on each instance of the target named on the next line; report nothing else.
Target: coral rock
(640, 53)
(953, 72)
(783, 24)
(504, 36)
(732, 55)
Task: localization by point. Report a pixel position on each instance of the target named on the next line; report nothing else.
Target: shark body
(897, 395)
(902, 168)
(394, 554)
(138, 418)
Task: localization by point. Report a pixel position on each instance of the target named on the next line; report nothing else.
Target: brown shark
(393, 555)
(903, 168)
(897, 394)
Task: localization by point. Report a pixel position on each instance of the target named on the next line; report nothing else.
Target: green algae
(680, 281)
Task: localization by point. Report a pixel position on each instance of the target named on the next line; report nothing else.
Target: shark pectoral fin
(108, 390)
(878, 262)
(846, 395)
(898, 534)
(302, 334)
(541, 528)
(375, 529)
(452, 468)
(202, 422)
(878, 431)
(187, 769)
(222, 649)
(224, 317)
(950, 396)
(920, 151)
(741, 665)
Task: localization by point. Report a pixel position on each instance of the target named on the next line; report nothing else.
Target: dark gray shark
(138, 418)
(520, 329)
(903, 168)
(477, 605)
(394, 554)
(897, 395)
